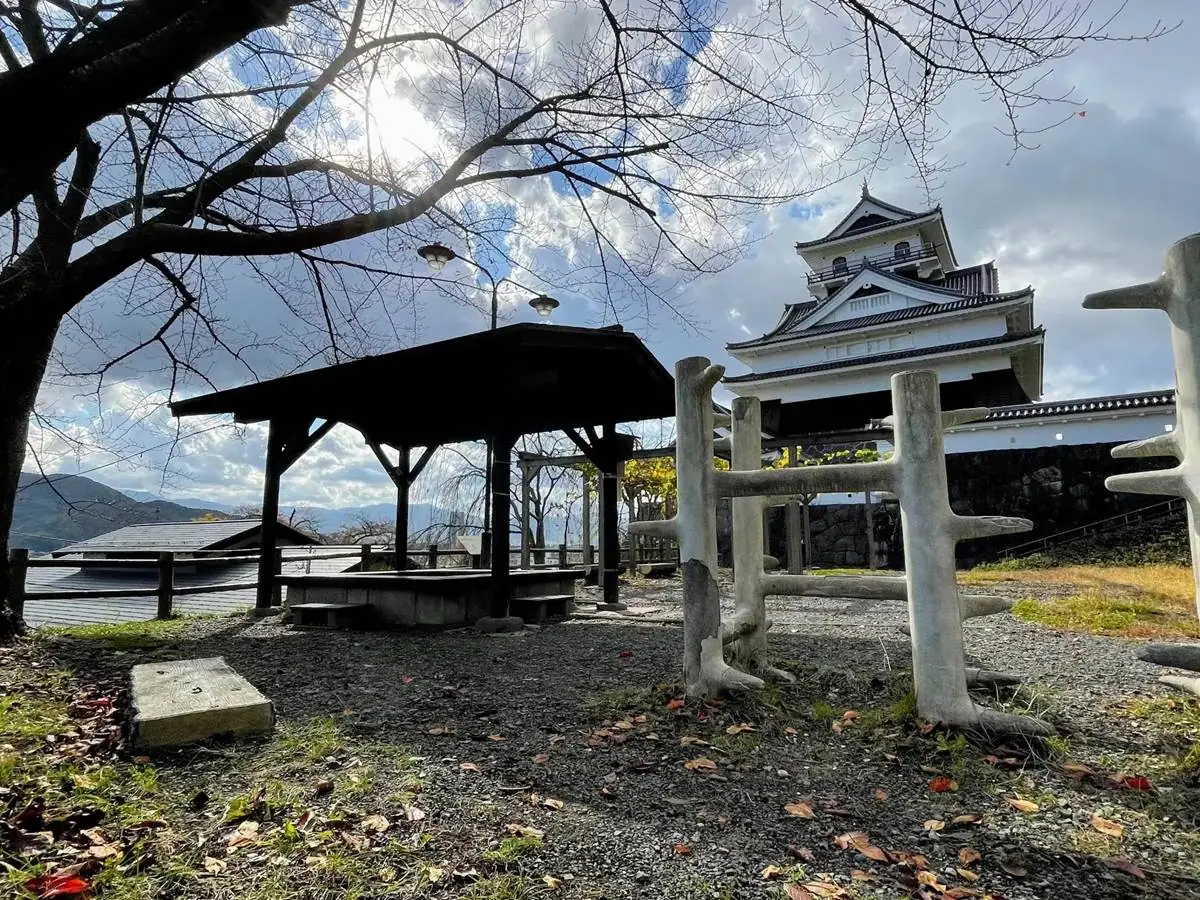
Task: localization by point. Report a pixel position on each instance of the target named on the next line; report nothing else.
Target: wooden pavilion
(497, 385)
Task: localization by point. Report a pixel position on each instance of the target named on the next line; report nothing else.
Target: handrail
(915, 253)
(1078, 532)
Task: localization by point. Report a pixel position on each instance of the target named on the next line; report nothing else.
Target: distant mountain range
(67, 508)
(43, 520)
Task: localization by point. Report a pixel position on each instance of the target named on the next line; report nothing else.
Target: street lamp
(438, 256)
(543, 305)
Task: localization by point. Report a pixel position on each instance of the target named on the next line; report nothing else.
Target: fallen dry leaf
(374, 824)
(934, 825)
(324, 786)
(441, 730)
(1107, 826)
(802, 853)
(968, 819)
(213, 866)
(551, 803)
(825, 889)
(860, 875)
(674, 703)
(771, 872)
(881, 795)
(930, 879)
(689, 740)
(795, 892)
(849, 715)
(790, 730)
(1024, 806)
(469, 767)
(801, 810)
(943, 783)
(701, 763)
(967, 875)
(551, 882)
(682, 850)
(1079, 770)
(305, 820)
(1013, 868)
(542, 758)
(413, 813)
(435, 874)
(968, 855)
(739, 728)
(495, 737)
(1136, 782)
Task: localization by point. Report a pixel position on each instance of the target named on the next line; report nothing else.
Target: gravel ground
(583, 713)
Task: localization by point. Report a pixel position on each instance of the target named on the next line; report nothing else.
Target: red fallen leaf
(683, 850)
(943, 783)
(625, 654)
(675, 703)
(407, 679)
(1137, 783)
(1126, 866)
(46, 886)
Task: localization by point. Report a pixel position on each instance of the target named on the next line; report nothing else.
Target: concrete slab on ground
(189, 700)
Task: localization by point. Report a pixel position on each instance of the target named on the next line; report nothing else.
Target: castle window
(902, 250)
(839, 265)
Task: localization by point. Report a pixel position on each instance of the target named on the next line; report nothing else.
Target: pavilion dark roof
(520, 379)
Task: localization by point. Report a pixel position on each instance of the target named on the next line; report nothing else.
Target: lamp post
(438, 256)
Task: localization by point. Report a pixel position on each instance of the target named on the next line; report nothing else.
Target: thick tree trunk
(144, 47)
(25, 343)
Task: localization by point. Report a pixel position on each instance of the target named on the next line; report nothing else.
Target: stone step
(189, 700)
(538, 609)
(331, 615)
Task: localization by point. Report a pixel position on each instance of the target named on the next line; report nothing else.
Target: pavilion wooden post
(267, 586)
(610, 540)
(166, 583)
(402, 473)
(501, 483)
(586, 529)
(287, 441)
(526, 484)
(795, 526)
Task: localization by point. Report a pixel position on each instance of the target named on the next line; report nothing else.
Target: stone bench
(189, 700)
(330, 615)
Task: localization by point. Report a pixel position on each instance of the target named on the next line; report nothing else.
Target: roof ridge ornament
(865, 190)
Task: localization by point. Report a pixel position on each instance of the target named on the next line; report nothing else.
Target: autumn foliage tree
(148, 141)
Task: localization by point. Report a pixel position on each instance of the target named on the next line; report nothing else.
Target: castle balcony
(919, 257)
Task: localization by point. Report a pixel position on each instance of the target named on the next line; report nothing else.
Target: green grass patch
(504, 887)
(129, 635)
(512, 848)
(1095, 612)
(24, 719)
(623, 701)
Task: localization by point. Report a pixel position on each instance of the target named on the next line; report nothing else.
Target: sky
(1094, 205)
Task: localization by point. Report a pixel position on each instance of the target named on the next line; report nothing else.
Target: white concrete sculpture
(1177, 293)
(916, 474)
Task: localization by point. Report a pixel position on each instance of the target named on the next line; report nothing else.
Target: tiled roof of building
(905, 216)
(178, 537)
(1098, 405)
(796, 313)
(887, 357)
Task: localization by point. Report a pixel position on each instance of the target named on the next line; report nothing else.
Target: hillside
(43, 520)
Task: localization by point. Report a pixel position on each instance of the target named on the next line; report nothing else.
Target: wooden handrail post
(366, 551)
(562, 556)
(166, 583)
(18, 565)
(433, 556)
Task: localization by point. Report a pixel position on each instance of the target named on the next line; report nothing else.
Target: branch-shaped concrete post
(1177, 293)
(694, 526)
(917, 474)
(931, 529)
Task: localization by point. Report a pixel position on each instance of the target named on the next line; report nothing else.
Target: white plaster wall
(868, 246)
(1111, 429)
(845, 382)
(901, 336)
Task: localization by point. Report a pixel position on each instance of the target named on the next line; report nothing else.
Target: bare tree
(304, 519)
(171, 135)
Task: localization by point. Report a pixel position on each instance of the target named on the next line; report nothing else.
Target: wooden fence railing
(166, 565)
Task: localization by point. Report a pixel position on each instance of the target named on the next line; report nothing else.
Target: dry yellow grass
(1133, 601)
